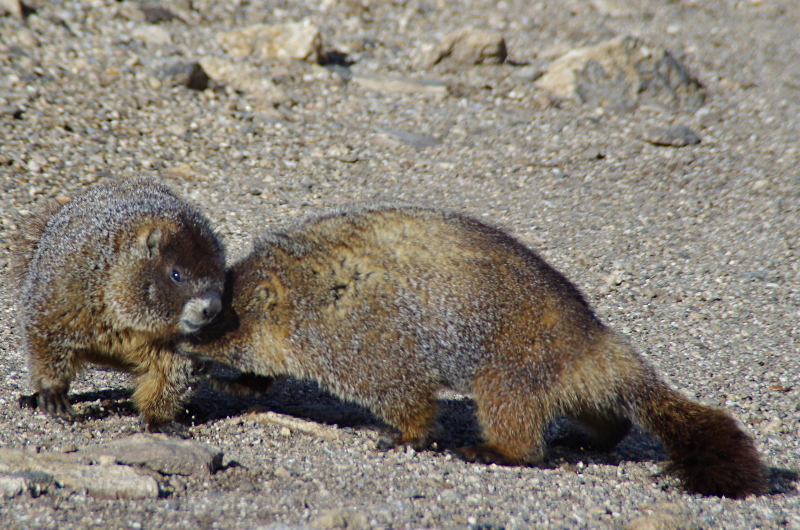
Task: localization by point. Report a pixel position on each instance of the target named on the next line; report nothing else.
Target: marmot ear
(260, 297)
(148, 240)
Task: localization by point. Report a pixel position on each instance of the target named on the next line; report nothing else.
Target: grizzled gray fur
(114, 278)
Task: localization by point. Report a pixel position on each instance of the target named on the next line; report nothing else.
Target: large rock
(105, 471)
(104, 481)
(296, 40)
(168, 456)
(470, 46)
(620, 74)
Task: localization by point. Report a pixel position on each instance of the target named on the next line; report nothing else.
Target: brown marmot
(115, 277)
(385, 304)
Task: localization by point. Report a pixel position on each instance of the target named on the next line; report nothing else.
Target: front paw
(168, 428)
(392, 441)
(53, 402)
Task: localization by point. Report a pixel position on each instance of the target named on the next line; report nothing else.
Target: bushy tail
(708, 451)
(27, 239)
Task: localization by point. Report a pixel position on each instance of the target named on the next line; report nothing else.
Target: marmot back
(116, 277)
(384, 305)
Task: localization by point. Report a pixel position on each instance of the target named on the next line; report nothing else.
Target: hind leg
(413, 415)
(52, 370)
(513, 418)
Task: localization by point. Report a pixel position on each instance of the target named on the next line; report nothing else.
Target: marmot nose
(211, 305)
(199, 311)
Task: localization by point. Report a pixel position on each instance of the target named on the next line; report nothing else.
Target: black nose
(212, 304)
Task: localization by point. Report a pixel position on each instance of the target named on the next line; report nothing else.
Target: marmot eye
(176, 275)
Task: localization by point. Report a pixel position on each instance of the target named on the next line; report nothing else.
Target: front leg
(163, 385)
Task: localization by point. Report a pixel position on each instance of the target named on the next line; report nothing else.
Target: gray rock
(617, 8)
(153, 14)
(676, 136)
(184, 73)
(661, 521)
(169, 456)
(528, 73)
(103, 481)
(12, 486)
(36, 482)
(708, 118)
(152, 34)
(470, 46)
(622, 73)
(107, 482)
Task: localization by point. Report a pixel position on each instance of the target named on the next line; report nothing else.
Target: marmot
(385, 304)
(115, 277)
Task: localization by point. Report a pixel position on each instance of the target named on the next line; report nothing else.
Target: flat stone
(394, 84)
(418, 141)
(622, 73)
(169, 456)
(184, 171)
(677, 136)
(617, 8)
(296, 40)
(661, 521)
(152, 34)
(336, 518)
(528, 73)
(109, 481)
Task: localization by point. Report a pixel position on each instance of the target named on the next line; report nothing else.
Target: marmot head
(170, 279)
(252, 328)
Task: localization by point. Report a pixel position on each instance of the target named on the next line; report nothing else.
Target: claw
(487, 454)
(168, 428)
(56, 403)
(29, 402)
(386, 443)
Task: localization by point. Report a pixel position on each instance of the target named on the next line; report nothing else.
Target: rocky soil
(658, 169)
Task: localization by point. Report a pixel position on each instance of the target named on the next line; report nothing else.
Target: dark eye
(176, 276)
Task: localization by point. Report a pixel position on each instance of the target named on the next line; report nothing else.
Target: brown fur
(385, 305)
(114, 278)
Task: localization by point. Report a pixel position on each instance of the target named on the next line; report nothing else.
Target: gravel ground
(693, 252)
